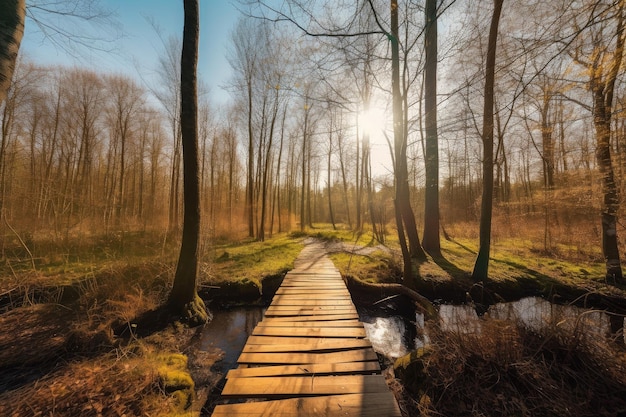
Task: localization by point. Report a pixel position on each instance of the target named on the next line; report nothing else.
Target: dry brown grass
(509, 370)
(64, 360)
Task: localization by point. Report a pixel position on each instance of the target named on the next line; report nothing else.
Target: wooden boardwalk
(309, 356)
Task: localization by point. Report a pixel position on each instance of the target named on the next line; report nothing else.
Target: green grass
(251, 260)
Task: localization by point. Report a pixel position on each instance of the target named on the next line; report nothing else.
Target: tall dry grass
(507, 369)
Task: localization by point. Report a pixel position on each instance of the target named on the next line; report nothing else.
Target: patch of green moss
(176, 381)
(410, 369)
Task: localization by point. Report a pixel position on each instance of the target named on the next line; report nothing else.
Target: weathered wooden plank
(280, 387)
(309, 302)
(310, 331)
(329, 297)
(357, 355)
(333, 316)
(313, 277)
(273, 322)
(315, 307)
(318, 282)
(289, 291)
(293, 340)
(307, 312)
(350, 405)
(315, 344)
(319, 369)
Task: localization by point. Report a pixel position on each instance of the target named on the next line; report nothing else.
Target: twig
(32, 258)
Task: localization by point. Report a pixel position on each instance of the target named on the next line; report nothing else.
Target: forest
(477, 149)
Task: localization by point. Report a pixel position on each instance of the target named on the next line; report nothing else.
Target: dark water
(228, 331)
(393, 329)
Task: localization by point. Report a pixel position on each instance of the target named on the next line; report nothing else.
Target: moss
(175, 380)
(410, 369)
(195, 312)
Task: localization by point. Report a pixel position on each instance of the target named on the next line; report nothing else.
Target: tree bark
(431, 241)
(12, 14)
(481, 267)
(184, 298)
(405, 219)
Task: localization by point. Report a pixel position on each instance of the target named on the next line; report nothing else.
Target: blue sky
(137, 47)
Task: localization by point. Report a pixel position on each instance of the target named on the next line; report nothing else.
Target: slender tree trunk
(250, 180)
(266, 171)
(481, 267)
(402, 194)
(328, 180)
(184, 297)
(431, 241)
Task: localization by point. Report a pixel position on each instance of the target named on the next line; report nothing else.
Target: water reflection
(387, 335)
(534, 313)
(228, 331)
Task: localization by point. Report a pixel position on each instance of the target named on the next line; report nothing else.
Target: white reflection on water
(387, 336)
(534, 313)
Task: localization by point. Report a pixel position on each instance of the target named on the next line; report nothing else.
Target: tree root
(422, 303)
(195, 313)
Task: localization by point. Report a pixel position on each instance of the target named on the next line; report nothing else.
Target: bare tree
(481, 266)
(431, 242)
(602, 59)
(184, 297)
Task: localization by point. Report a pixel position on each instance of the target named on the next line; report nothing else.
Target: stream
(394, 328)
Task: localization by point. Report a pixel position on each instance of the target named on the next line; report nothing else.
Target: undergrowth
(507, 369)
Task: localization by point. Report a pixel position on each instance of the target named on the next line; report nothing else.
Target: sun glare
(373, 121)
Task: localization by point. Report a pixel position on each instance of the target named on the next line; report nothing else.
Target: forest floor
(85, 335)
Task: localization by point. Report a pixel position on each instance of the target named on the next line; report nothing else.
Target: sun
(372, 122)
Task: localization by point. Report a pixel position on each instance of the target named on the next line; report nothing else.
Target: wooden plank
(312, 307)
(307, 312)
(315, 344)
(357, 355)
(334, 316)
(319, 369)
(310, 331)
(273, 322)
(330, 306)
(331, 291)
(350, 405)
(280, 387)
(313, 278)
(329, 297)
(308, 302)
(291, 340)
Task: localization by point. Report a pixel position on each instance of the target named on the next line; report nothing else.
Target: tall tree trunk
(405, 219)
(602, 117)
(328, 180)
(431, 241)
(250, 179)
(12, 14)
(184, 298)
(481, 267)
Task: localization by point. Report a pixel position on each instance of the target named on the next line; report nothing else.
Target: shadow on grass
(454, 271)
